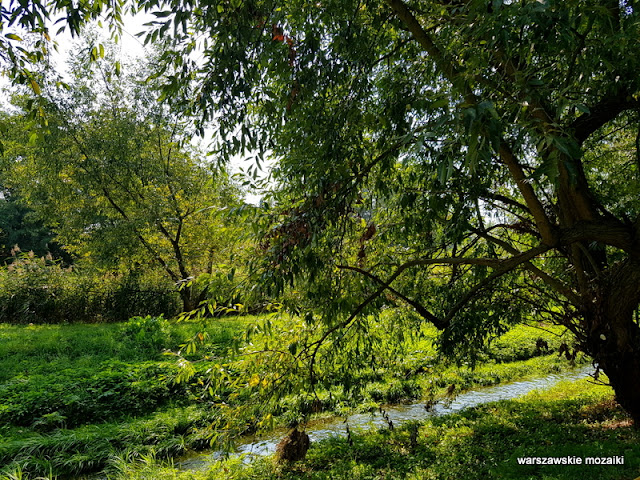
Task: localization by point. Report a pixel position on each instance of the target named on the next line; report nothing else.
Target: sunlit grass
(75, 397)
(577, 419)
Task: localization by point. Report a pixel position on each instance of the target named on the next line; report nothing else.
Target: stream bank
(252, 447)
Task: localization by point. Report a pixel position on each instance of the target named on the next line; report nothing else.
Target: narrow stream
(253, 446)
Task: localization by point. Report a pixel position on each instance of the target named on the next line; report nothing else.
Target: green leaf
(583, 108)
(34, 86)
(443, 102)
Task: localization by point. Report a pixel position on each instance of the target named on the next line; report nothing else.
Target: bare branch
(505, 200)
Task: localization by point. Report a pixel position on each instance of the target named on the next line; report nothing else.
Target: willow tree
(478, 160)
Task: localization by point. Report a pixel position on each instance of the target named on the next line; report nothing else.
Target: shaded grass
(163, 435)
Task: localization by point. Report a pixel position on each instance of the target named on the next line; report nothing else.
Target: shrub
(146, 333)
(38, 290)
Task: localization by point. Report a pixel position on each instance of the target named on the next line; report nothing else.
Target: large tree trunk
(612, 336)
(610, 294)
(623, 371)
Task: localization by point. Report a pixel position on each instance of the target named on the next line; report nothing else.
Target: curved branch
(606, 110)
(505, 200)
(554, 283)
(506, 266)
(502, 266)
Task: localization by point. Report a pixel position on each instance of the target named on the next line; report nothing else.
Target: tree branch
(554, 283)
(457, 79)
(606, 110)
(425, 40)
(144, 242)
(505, 200)
(419, 308)
(606, 231)
(543, 224)
(506, 266)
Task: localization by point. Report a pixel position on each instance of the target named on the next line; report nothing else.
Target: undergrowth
(572, 420)
(80, 398)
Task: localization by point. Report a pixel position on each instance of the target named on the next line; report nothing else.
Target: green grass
(73, 396)
(575, 419)
(45, 348)
(81, 398)
(164, 434)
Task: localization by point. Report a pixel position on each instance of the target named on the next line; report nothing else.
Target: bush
(38, 290)
(146, 333)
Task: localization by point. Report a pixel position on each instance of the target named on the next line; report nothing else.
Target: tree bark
(189, 303)
(612, 337)
(618, 356)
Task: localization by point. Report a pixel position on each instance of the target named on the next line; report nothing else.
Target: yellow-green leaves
(96, 52)
(254, 381)
(34, 86)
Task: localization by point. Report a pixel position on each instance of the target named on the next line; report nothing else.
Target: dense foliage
(20, 225)
(475, 160)
(40, 290)
(115, 176)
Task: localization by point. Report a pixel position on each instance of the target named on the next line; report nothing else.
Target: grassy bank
(572, 420)
(83, 398)
(74, 396)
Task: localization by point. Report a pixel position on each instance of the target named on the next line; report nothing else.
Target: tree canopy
(114, 174)
(477, 160)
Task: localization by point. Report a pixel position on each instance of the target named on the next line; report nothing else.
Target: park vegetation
(83, 398)
(453, 203)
